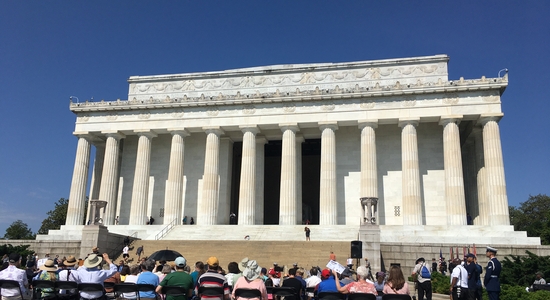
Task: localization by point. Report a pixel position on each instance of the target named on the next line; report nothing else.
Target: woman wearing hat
(49, 272)
(251, 280)
(90, 273)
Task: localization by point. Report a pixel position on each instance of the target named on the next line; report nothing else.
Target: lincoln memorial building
(390, 145)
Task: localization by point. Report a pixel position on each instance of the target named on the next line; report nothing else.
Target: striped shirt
(212, 279)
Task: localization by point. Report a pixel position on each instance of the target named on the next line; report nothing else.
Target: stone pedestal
(370, 236)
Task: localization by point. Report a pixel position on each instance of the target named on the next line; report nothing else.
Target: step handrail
(166, 229)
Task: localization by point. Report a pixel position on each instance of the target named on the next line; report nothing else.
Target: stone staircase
(285, 253)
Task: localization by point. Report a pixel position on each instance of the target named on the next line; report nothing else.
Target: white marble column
(109, 177)
(483, 205)
(77, 195)
(412, 203)
(247, 191)
(207, 212)
(140, 189)
(454, 178)
(494, 167)
(97, 172)
(328, 208)
(174, 185)
(369, 171)
(260, 170)
(299, 140)
(287, 208)
(369, 178)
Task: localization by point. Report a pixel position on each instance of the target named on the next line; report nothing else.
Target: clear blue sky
(50, 50)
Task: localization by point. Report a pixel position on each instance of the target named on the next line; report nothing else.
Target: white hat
(93, 260)
(491, 249)
(252, 270)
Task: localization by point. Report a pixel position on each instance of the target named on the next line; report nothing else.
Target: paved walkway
(434, 295)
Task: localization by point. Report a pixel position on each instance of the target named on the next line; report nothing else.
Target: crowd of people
(246, 274)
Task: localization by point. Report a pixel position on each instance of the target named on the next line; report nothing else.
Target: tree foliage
(56, 217)
(23, 250)
(19, 231)
(520, 270)
(533, 216)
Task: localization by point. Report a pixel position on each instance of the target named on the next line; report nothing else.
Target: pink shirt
(361, 287)
(256, 284)
(403, 291)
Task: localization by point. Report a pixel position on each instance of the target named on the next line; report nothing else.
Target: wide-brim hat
(93, 260)
(70, 261)
(252, 270)
(49, 265)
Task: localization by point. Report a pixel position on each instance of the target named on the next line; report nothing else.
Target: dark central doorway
(311, 164)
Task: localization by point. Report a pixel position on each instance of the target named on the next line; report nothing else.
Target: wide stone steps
(285, 253)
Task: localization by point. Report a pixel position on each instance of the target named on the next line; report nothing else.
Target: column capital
(249, 128)
(483, 119)
(444, 120)
(146, 132)
(331, 125)
(406, 121)
(213, 129)
(300, 138)
(114, 134)
(84, 134)
(179, 131)
(367, 122)
(289, 126)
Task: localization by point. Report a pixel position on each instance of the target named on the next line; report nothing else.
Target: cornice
(335, 93)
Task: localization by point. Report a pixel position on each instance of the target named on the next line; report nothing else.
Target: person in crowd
(48, 272)
(125, 254)
(132, 278)
(332, 256)
(68, 272)
(380, 282)
(139, 252)
(127, 240)
(251, 280)
(396, 283)
(328, 283)
(360, 286)
(492, 274)
(424, 285)
(263, 274)
(274, 278)
(293, 282)
(120, 265)
(114, 279)
(147, 277)
(459, 281)
(434, 265)
(443, 266)
(90, 273)
(300, 276)
(199, 270)
(345, 277)
(12, 272)
(232, 270)
(41, 261)
(178, 278)
(349, 263)
(125, 272)
(165, 270)
(184, 221)
(473, 275)
(211, 278)
(312, 281)
(308, 233)
(30, 270)
(192, 222)
(538, 280)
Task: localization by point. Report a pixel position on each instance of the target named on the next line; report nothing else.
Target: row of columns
(491, 189)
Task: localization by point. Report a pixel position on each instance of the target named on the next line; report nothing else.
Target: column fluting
(287, 208)
(260, 170)
(207, 212)
(328, 208)
(174, 184)
(247, 191)
(369, 173)
(483, 205)
(412, 203)
(109, 177)
(140, 189)
(494, 167)
(77, 195)
(454, 178)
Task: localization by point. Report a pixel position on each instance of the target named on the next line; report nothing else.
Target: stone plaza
(385, 151)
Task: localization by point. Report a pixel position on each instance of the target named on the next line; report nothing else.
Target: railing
(118, 250)
(166, 229)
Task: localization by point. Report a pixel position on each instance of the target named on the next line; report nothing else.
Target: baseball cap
(180, 261)
(325, 273)
(213, 261)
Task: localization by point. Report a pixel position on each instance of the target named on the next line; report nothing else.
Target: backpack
(424, 272)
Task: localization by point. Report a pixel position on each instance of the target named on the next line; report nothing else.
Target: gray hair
(149, 265)
(362, 272)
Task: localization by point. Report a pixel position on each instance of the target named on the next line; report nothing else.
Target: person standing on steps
(308, 232)
(139, 252)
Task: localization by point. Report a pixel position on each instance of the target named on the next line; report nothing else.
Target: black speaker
(356, 249)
